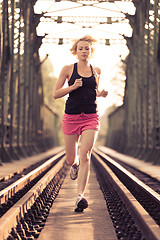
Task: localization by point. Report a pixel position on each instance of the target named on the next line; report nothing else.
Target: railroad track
(133, 206)
(25, 203)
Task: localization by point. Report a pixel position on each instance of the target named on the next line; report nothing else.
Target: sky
(105, 57)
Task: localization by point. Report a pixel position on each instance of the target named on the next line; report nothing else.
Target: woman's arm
(102, 93)
(59, 91)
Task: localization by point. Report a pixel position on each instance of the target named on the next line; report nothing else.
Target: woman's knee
(85, 156)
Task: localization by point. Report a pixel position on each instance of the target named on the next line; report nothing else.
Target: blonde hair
(86, 38)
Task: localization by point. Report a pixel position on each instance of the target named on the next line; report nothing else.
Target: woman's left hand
(102, 93)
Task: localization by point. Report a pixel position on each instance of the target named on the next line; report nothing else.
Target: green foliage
(49, 81)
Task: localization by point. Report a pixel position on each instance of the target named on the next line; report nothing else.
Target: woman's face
(83, 50)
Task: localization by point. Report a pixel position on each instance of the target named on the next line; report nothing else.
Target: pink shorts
(77, 123)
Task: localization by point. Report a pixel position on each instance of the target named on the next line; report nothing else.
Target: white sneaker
(74, 171)
(81, 203)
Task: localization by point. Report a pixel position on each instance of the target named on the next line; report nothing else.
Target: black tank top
(83, 99)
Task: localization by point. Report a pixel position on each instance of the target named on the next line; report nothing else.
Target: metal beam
(84, 19)
(61, 41)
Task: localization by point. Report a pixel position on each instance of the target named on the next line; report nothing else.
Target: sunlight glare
(105, 57)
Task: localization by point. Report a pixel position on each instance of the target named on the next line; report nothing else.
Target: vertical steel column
(135, 94)
(145, 81)
(129, 103)
(30, 54)
(140, 84)
(2, 36)
(19, 88)
(152, 113)
(32, 95)
(133, 78)
(31, 107)
(156, 110)
(31, 79)
(138, 106)
(12, 85)
(148, 104)
(4, 82)
(158, 82)
(142, 80)
(1, 33)
(22, 77)
(18, 76)
(27, 50)
(25, 15)
(36, 84)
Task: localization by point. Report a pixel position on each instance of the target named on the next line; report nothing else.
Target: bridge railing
(22, 125)
(141, 118)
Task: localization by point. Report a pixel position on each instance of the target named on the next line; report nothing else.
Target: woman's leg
(88, 138)
(71, 144)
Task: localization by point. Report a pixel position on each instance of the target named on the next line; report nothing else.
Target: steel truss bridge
(29, 126)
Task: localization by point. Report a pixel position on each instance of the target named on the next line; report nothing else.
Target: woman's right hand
(78, 83)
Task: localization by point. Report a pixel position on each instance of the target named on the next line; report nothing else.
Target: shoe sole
(82, 204)
(78, 209)
(74, 177)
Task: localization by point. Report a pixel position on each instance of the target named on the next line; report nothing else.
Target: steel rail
(10, 191)
(149, 190)
(147, 225)
(10, 219)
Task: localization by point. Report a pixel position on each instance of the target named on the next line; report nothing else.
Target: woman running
(81, 116)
